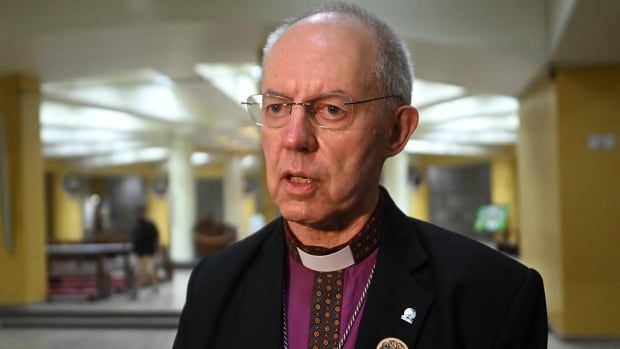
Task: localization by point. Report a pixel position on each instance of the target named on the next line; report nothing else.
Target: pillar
(233, 194)
(419, 195)
(504, 189)
(158, 209)
(271, 212)
(65, 209)
(182, 199)
(395, 180)
(22, 226)
(569, 195)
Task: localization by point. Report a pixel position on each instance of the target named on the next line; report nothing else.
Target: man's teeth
(296, 179)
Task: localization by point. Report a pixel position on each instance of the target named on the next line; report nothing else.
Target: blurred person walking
(145, 243)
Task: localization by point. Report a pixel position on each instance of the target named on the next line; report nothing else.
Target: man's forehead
(326, 30)
(322, 52)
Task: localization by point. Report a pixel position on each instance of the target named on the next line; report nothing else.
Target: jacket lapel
(261, 318)
(401, 281)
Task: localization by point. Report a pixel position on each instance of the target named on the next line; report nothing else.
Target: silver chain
(284, 316)
(345, 335)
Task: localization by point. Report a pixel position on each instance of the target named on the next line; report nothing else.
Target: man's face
(319, 177)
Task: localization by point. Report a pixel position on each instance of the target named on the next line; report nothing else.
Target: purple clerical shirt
(300, 283)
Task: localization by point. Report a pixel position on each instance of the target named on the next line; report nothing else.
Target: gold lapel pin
(391, 343)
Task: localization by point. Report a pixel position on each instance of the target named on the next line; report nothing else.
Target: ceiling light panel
(157, 97)
(89, 149)
(468, 107)
(128, 157)
(427, 147)
(237, 81)
(64, 115)
(427, 92)
(63, 135)
(201, 158)
(460, 138)
(479, 123)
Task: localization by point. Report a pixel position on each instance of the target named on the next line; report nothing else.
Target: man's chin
(296, 217)
(312, 219)
(300, 214)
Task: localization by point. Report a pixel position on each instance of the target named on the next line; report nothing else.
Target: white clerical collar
(338, 260)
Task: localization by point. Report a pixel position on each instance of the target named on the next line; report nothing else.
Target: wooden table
(95, 253)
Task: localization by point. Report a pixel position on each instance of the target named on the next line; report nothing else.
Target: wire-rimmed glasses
(331, 111)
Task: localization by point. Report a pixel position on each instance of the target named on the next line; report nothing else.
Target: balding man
(343, 267)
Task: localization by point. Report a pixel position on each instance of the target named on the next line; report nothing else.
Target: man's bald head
(393, 68)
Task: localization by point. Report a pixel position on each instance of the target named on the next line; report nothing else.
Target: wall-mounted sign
(72, 184)
(159, 185)
(491, 219)
(601, 141)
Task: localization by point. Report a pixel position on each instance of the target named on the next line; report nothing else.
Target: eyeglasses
(331, 111)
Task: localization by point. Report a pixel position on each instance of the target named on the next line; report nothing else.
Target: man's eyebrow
(336, 91)
(311, 98)
(277, 94)
(339, 91)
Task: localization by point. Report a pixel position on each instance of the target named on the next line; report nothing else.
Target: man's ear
(404, 123)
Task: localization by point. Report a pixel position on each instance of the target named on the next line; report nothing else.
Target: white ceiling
(121, 77)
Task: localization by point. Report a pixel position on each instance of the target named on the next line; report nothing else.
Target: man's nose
(299, 133)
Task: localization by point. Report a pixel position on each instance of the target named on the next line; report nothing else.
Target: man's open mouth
(299, 179)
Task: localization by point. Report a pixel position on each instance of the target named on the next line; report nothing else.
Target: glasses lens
(269, 111)
(332, 111)
(275, 111)
(254, 104)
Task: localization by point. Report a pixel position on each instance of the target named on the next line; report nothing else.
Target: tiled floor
(555, 343)
(85, 339)
(170, 297)
(158, 339)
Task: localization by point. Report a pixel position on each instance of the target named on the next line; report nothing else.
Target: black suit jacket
(465, 294)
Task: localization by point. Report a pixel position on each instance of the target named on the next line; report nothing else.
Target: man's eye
(274, 108)
(330, 111)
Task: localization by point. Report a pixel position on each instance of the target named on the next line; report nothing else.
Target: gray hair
(393, 67)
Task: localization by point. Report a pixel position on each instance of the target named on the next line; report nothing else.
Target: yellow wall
(541, 240)
(588, 102)
(570, 197)
(248, 208)
(22, 267)
(504, 188)
(271, 211)
(420, 205)
(65, 209)
(503, 183)
(158, 210)
(209, 171)
(420, 197)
